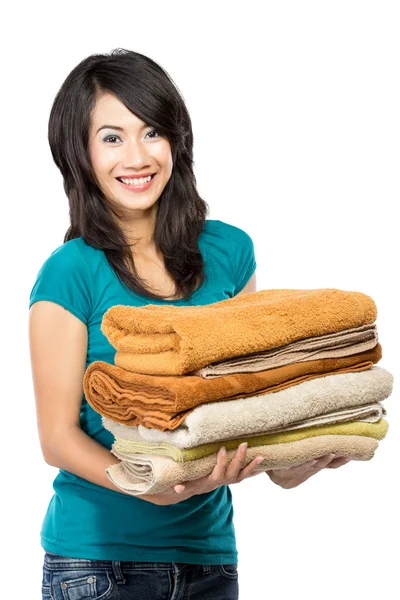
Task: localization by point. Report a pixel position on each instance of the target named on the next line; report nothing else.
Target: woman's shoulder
(67, 278)
(70, 263)
(74, 254)
(230, 252)
(222, 231)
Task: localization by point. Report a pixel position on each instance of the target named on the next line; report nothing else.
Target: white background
(295, 112)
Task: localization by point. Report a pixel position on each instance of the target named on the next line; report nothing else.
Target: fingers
(217, 475)
(300, 473)
(237, 463)
(338, 462)
(235, 472)
(314, 464)
(330, 461)
(250, 469)
(218, 472)
(179, 488)
(224, 474)
(322, 461)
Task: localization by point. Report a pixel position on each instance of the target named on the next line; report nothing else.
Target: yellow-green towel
(376, 430)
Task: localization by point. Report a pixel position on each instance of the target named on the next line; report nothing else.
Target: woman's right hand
(222, 474)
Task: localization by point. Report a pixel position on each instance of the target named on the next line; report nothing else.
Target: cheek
(103, 158)
(165, 157)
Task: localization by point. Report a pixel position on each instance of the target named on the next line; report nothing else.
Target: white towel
(334, 398)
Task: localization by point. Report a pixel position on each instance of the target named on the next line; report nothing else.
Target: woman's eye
(154, 131)
(110, 136)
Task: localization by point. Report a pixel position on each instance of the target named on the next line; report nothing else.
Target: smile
(137, 184)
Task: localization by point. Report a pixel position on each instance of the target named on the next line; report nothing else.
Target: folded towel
(144, 474)
(330, 399)
(332, 345)
(377, 430)
(163, 402)
(129, 434)
(171, 340)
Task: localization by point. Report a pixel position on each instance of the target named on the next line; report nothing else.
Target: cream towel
(153, 474)
(123, 447)
(332, 345)
(299, 406)
(130, 437)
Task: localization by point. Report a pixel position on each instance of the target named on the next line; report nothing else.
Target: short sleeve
(65, 279)
(244, 257)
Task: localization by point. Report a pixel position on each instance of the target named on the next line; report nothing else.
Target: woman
(119, 118)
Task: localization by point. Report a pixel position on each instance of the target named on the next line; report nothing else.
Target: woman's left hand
(290, 477)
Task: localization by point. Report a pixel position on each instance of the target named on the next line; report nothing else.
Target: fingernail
(259, 459)
(243, 446)
(222, 451)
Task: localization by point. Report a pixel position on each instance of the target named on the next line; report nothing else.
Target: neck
(138, 227)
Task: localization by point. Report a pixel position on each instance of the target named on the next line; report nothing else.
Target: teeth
(139, 181)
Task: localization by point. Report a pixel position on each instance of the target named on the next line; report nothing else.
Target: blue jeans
(67, 578)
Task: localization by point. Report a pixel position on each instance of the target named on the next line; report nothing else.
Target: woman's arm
(58, 345)
(251, 285)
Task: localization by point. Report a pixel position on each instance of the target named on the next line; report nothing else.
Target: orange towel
(175, 340)
(163, 402)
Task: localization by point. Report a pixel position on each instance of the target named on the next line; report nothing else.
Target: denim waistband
(56, 562)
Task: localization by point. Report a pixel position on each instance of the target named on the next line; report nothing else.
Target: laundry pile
(291, 372)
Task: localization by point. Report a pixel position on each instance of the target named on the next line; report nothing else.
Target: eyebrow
(116, 127)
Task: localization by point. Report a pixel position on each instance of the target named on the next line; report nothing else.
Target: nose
(136, 155)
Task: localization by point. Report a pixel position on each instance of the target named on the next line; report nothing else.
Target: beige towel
(332, 345)
(174, 340)
(329, 399)
(129, 434)
(153, 474)
(123, 447)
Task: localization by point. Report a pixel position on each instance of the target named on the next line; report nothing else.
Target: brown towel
(153, 474)
(174, 340)
(163, 402)
(332, 345)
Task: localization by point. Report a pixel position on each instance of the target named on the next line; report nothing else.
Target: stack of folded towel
(290, 372)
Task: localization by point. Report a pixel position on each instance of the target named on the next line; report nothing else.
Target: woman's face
(127, 148)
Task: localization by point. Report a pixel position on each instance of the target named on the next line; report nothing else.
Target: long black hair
(147, 90)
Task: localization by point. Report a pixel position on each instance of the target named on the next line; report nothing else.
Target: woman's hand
(222, 474)
(290, 477)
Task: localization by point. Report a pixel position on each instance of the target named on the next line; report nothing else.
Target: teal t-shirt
(85, 520)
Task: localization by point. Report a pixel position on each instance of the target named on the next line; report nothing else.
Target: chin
(136, 203)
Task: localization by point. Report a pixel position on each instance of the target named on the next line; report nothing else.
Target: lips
(137, 187)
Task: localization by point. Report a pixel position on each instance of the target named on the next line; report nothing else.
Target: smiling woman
(132, 241)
